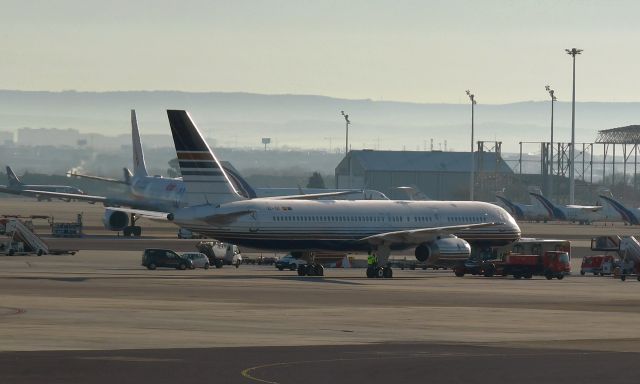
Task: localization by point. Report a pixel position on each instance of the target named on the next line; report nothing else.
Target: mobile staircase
(22, 239)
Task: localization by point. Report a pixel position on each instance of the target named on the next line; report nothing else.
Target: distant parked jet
(630, 216)
(583, 214)
(524, 212)
(16, 187)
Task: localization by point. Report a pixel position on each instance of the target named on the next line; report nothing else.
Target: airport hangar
(439, 175)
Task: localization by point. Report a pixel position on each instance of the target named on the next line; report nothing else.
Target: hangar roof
(432, 161)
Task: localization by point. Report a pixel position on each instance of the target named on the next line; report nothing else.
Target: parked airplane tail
(205, 179)
(513, 208)
(553, 210)
(13, 179)
(139, 166)
(626, 214)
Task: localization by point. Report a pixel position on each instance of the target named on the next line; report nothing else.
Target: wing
(417, 236)
(99, 178)
(57, 195)
(153, 215)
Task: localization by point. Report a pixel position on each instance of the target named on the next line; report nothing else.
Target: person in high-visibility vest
(372, 260)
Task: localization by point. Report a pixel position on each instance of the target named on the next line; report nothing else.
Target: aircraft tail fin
(13, 179)
(139, 166)
(625, 214)
(205, 179)
(553, 210)
(513, 208)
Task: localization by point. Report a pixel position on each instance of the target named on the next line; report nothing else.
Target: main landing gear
(379, 272)
(133, 229)
(310, 270)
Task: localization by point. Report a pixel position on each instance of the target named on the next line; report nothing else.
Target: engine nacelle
(114, 220)
(446, 248)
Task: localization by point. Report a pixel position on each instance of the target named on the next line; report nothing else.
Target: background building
(439, 175)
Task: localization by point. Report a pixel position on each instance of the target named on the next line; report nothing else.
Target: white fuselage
(341, 224)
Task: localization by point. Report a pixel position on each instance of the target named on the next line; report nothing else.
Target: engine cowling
(114, 220)
(445, 248)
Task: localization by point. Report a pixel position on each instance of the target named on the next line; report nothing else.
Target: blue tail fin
(13, 179)
(626, 214)
(513, 208)
(553, 210)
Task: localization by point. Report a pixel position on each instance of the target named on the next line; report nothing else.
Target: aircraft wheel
(126, 231)
(136, 230)
(387, 272)
(302, 270)
(370, 272)
(319, 270)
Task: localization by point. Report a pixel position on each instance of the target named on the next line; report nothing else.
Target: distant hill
(306, 121)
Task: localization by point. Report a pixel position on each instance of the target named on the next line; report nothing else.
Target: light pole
(346, 142)
(553, 99)
(473, 165)
(572, 183)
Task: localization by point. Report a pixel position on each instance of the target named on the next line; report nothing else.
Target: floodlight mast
(473, 166)
(553, 99)
(572, 183)
(346, 143)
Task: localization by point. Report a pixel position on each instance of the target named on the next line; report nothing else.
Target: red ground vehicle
(599, 264)
(550, 264)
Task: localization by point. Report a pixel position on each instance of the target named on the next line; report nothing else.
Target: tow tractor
(598, 265)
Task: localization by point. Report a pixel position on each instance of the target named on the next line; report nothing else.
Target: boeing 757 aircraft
(433, 228)
(16, 187)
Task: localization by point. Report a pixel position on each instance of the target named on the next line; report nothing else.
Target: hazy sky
(423, 51)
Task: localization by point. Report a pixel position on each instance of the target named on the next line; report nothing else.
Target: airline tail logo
(624, 213)
(204, 177)
(13, 179)
(552, 210)
(515, 210)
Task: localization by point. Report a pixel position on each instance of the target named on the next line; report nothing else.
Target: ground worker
(372, 260)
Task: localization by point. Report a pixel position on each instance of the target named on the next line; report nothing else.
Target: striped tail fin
(205, 180)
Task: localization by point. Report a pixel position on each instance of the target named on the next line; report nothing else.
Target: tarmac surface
(99, 317)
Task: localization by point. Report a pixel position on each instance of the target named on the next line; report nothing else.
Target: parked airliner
(17, 187)
(583, 214)
(433, 228)
(155, 196)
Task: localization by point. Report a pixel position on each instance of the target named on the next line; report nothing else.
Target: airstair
(627, 247)
(18, 232)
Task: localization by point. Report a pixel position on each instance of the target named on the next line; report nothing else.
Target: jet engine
(114, 220)
(450, 248)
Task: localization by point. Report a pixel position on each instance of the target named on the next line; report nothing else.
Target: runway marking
(11, 311)
(248, 372)
(129, 359)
